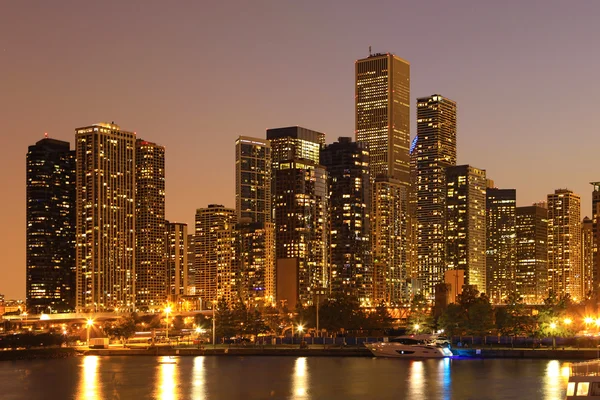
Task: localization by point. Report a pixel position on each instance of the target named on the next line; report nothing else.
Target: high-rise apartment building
(105, 234)
(176, 258)
(382, 103)
(301, 214)
(256, 242)
(587, 255)
(50, 215)
(465, 223)
(350, 268)
(253, 179)
(596, 232)
(191, 258)
(150, 263)
(216, 265)
(532, 253)
(564, 244)
(501, 243)
(435, 150)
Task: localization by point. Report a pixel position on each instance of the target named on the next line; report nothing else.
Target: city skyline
(519, 80)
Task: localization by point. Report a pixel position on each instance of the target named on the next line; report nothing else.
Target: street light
(553, 327)
(167, 311)
(89, 324)
(416, 327)
(568, 321)
(299, 330)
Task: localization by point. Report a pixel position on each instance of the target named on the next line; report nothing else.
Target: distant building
(587, 255)
(216, 265)
(256, 259)
(191, 258)
(531, 279)
(564, 244)
(501, 243)
(465, 223)
(455, 280)
(596, 233)
(435, 150)
(151, 273)
(105, 252)
(176, 258)
(50, 216)
(350, 267)
(253, 179)
(301, 212)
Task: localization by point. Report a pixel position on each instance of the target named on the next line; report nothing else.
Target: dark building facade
(350, 268)
(501, 242)
(532, 253)
(50, 229)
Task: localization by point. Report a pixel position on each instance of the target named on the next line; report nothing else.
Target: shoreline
(64, 352)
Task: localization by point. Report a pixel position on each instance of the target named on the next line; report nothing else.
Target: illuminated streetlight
(568, 321)
(553, 327)
(416, 327)
(167, 311)
(588, 320)
(89, 324)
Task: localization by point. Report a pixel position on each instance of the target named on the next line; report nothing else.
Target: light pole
(552, 328)
(89, 324)
(299, 330)
(167, 311)
(214, 324)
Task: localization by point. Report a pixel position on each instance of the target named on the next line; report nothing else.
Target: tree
(225, 320)
(341, 312)
(420, 318)
(380, 318)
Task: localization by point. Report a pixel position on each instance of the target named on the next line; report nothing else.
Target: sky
(195, 75)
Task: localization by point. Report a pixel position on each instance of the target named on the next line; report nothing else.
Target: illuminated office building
(350, 268)
(301, 214)
(105, 234)
(465, 223)
(501, 243)
(587, 255)
(564, 244)
(191, 258)
(176, 255)
(50, 216)
(256, 258)
(531, 279)
(151, 273)
(216, 264)
(435, 150)
(596, 232)
(253, 179)
(382, 104)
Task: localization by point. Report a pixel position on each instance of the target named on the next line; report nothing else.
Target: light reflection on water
(168, 379)
(300, 378)
(88, 384)
(416, 383)
(555, 380)
(198, 389)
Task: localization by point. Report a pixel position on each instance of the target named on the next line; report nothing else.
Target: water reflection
(88, 384)
(300, 378)
(168, 379)
(555, 380)
(416, 383)
(198, 379)
(444, 377)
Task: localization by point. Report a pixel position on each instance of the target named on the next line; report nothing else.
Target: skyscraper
(382, 103)
(50, 218)
(253, 179)
(350, 267)
(501, 243)
(587, 255)
(176, 258)
(191, 257)
(150, 267)
(105, 235)
(301, 214)
(216, 265)
(564, 244)
(435, 150)
(532, 253)
(256, 242)
(465, 223)
(596, 233)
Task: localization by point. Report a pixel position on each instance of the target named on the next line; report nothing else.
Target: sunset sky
(194, 75)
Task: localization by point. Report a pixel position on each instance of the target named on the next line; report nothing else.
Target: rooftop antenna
(370, 51)
(46, 135)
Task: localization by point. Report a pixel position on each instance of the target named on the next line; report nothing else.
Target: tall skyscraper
(191, 257)
(150, 263)
(382, 103)
(596, 233)
(465, 223)
(587, 255)
(564, 244)
(350, 267)
(501, 243)
(216, 265)
(105, 235)
(435, 150)
(253, 179)
(532, 254)
(176, 252)
(50, 227)
(301, 214)
(256, 242)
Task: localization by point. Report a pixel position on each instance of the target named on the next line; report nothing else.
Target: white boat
(584, 380)
(408, 347)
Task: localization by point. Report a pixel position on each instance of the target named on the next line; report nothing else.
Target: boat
(409, 347)
(584, 380)
(168, 360)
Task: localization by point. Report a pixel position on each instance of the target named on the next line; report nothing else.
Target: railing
(586, 368)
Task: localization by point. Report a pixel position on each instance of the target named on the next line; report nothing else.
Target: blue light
(413, 144)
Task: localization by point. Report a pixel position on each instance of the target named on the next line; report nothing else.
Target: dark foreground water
(94, 377)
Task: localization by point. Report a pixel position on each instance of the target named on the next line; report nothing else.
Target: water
(100, 378)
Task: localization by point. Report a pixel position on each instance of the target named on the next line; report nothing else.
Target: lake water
(144, 377)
